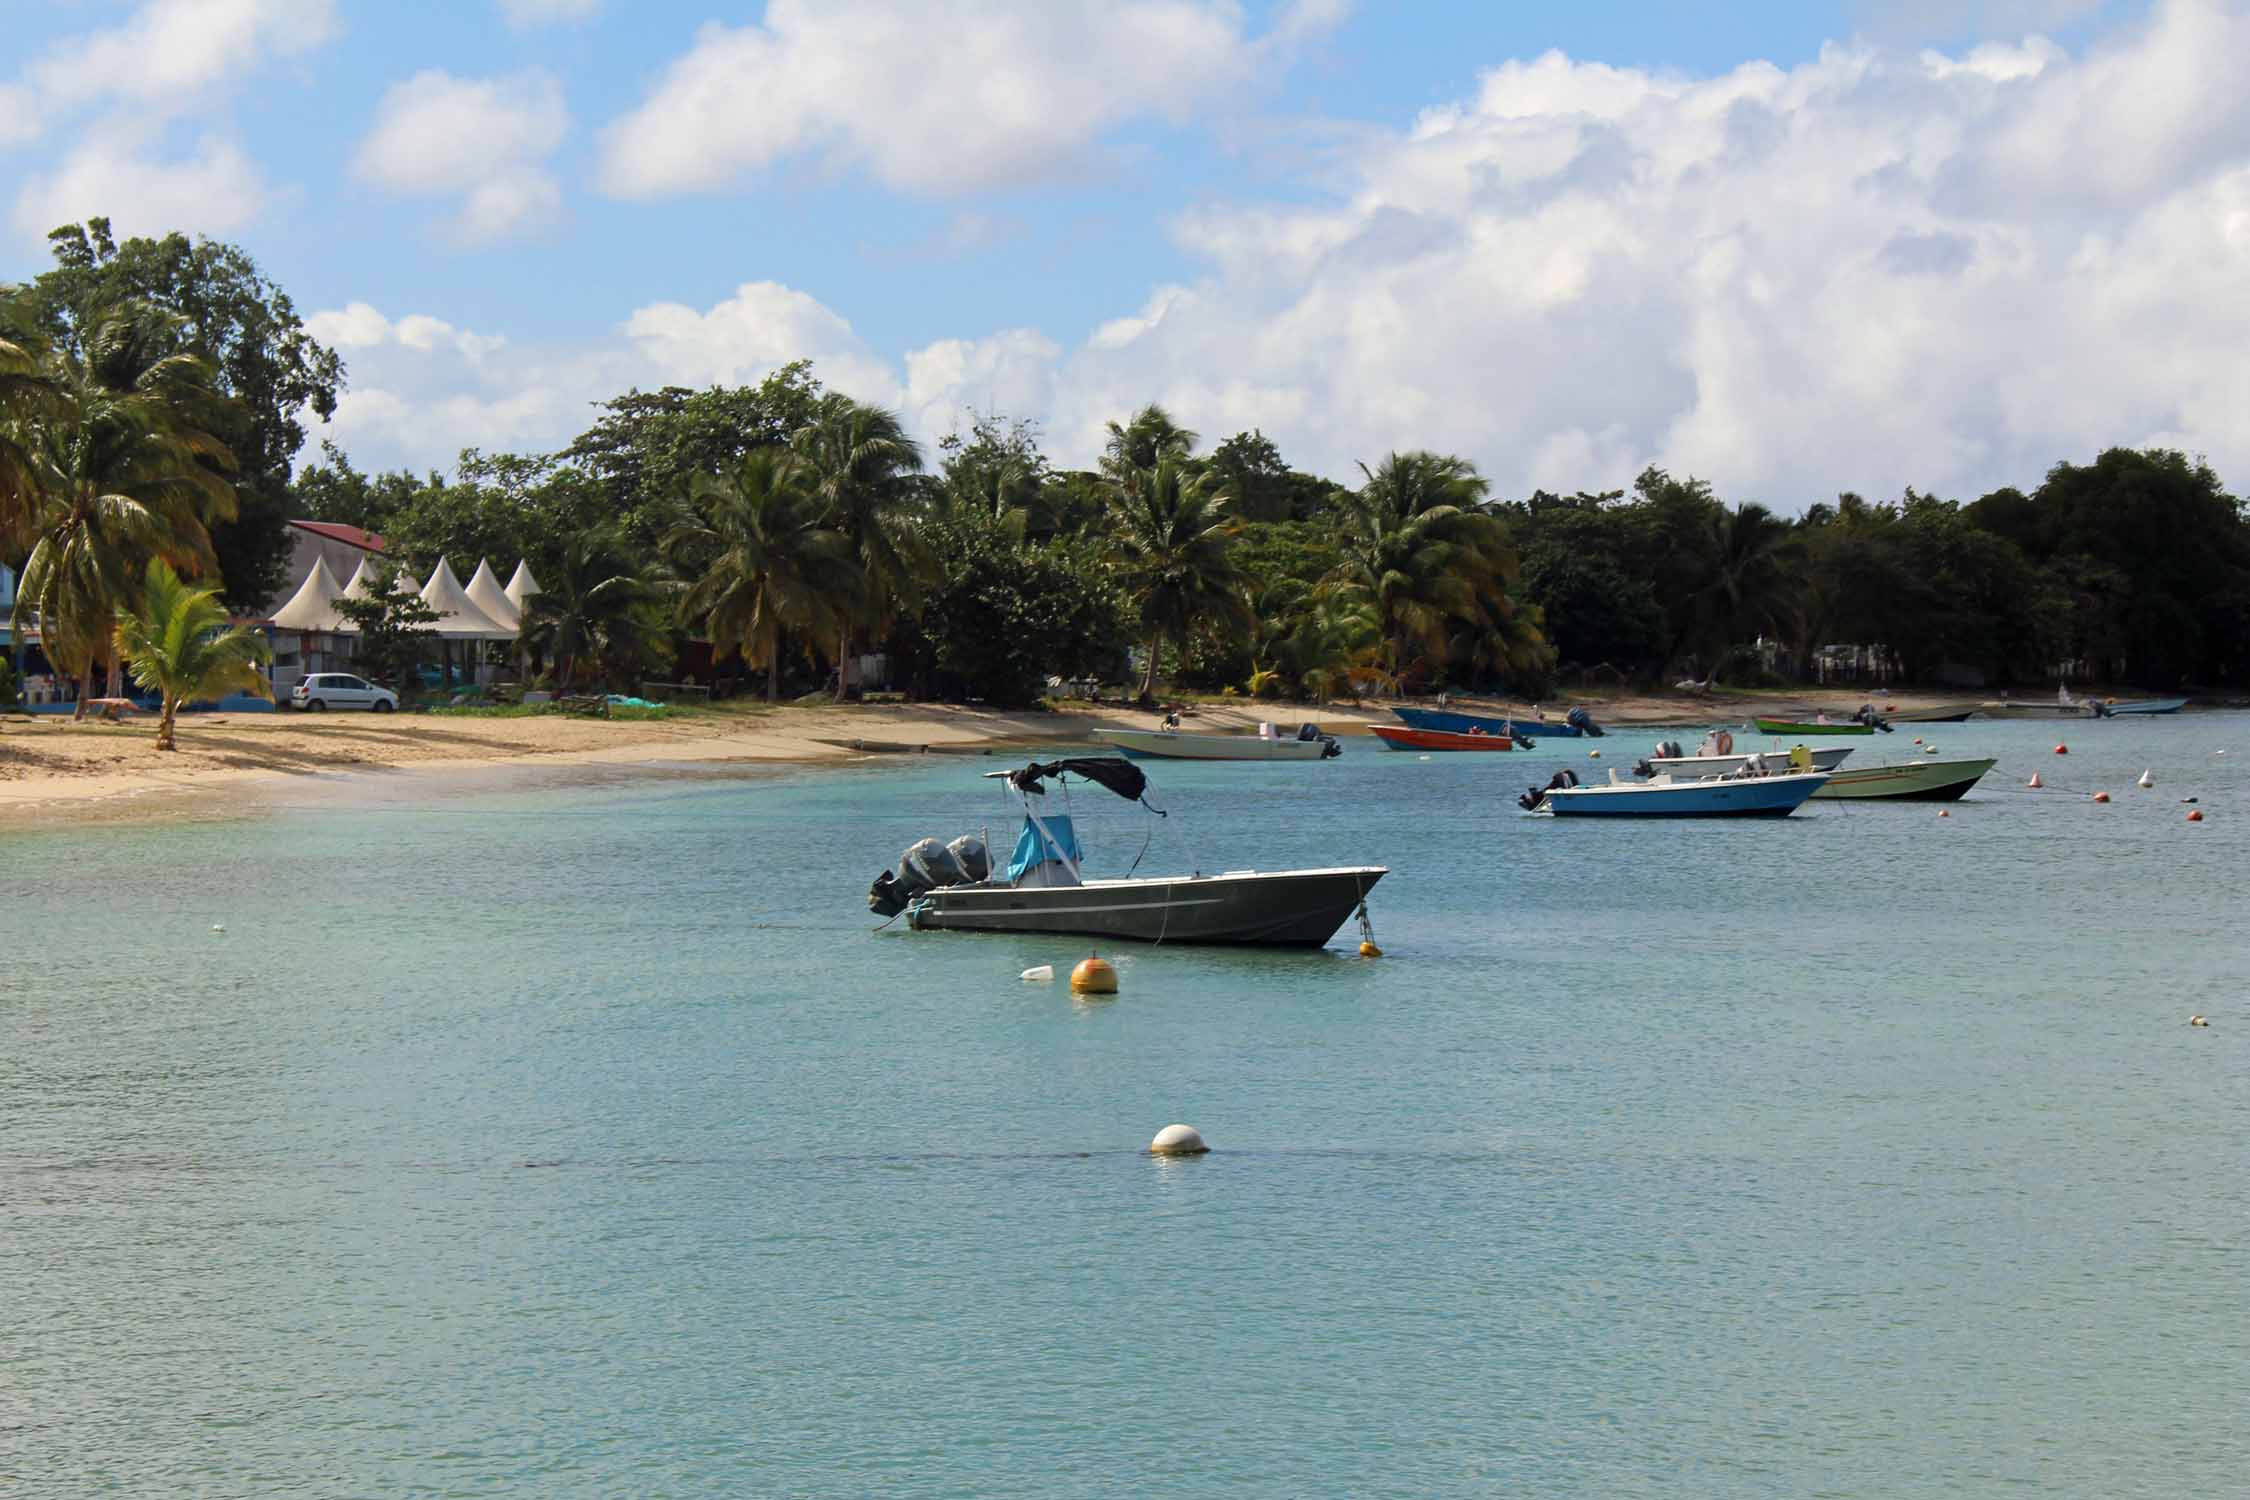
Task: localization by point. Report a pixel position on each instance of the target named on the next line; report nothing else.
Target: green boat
(1795, 729)
(1916, 781)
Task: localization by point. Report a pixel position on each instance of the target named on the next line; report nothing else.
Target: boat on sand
(1044, 888)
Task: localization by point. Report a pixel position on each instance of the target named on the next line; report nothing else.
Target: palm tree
(596, 603)
(1171, 536)
(763, 559)
(28, 397)
(179, 643)
(1147, 438)
(859, 458)
(1424, 556)
(122, 471)
(1749, 585)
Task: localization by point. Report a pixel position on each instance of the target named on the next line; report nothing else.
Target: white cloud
(169, 51)
(486, 140)
(114, 170)
(934, 99)
(1876, 269)
(358, 326)
(524, 13)
(19, 114)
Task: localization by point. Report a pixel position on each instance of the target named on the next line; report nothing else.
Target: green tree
(1171, 537)
(333, 490)
(858, 459)
(1140, 444)
(179, 644)
(248, 331)
(761, 560)
(29, 398)
(997, 470)
(122, 471)
(595, 606)
(395, 638)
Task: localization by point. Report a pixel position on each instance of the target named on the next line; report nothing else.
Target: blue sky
(503, 209)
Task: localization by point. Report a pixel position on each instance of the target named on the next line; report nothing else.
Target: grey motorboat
(1042, 888)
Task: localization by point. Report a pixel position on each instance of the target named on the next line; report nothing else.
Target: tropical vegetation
(154, 398)
(181, 647)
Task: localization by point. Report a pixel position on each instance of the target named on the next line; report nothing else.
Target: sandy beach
(52, 767)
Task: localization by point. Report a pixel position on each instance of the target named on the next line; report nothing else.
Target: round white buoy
(1178, 1140)
(1043, 974)
(218, 926)
(1421, 757)
(1593, 755)
(2146, 780)
(2197, 1021)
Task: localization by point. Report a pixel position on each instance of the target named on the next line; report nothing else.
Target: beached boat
(2132, 706)
(1943, 713)
(1709, 797)
(2033, 708)
(1404, 737)
(1576, 723)
(1043, 888)
(1794, 728)
(1169, 744)
(1912, 781)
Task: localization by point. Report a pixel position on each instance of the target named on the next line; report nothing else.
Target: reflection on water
(584, 1141)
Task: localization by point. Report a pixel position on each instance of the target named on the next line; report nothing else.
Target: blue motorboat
(1576, 723)
(1747, 796)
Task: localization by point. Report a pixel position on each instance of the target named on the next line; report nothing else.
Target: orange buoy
(2062, 749)
(2035, 782)
(1917, 739)
(2195, 815)
(1945, 812)
(2101, 796)
(1093, 976)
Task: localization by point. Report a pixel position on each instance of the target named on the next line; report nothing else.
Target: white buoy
(2146, 780)
(1044, 974)
(1421, 757)
(218, 926)
(2197, 1021)
(1178, 1140)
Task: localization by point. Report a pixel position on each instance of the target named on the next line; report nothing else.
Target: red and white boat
(1400, 738)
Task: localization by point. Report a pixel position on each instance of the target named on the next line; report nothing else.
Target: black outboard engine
(2101, 708)
(1309, 731)
(1871, 719)
(1583, 722)
(1531, 799)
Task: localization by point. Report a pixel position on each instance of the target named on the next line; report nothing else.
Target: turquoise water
(584, 1141)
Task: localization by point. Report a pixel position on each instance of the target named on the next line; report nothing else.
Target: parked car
(325, 690)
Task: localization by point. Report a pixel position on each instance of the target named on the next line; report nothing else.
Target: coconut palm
(122, 471)
(595, 603)
(1144, 440)
(28, 397)
(764, 560)
(1171, 535)
(1749, 586)
(178, 642)
(859, 459)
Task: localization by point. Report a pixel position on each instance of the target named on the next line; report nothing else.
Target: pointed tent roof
(362, 585)
(484, 592)
(522, 587)
(312, 608)
(459, 619)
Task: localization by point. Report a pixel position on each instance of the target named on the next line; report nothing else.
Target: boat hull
(1149, 744)
(1437, 739)
(2034, 710)
(1792, 727)
(2147, 706)
(1450, 722)
(1748, 797)
(1944, 713)
(1284, 909)
(1916, 781)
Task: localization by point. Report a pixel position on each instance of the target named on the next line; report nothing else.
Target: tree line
(153, 395)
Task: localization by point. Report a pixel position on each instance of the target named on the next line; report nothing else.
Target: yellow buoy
(1369, 950)
(1094, 976)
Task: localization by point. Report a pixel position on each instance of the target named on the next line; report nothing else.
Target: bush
(11, 690)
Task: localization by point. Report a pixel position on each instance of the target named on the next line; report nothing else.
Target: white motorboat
(1716, 756)
(1169, 744)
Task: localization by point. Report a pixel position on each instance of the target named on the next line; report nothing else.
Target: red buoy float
(2062, 749)
(2195, 815)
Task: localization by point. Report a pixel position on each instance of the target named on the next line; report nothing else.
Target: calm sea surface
(583, 1140)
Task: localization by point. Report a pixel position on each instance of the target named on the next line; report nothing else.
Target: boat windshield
(1060, 846)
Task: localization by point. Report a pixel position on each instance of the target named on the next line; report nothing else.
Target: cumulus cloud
(934, 99)
(1879, 268)
(118, 170)
(485, 140)
(170, 51)
(523, 13)
(359, 326)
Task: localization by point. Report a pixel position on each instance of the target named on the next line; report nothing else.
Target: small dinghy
(1043, 887)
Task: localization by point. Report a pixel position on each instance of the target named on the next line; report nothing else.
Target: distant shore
(52, 770)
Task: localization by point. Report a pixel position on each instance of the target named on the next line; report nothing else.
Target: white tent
(362, 585)
(484, 592)
(312, 609)
(458, 618)
(521, 588)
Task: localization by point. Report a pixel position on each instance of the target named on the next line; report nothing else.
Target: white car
(325, 690)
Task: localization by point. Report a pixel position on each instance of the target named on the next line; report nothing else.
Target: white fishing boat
(1044, 888)
(1169, 744)
(1717, 756)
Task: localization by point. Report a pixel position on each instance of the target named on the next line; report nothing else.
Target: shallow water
(585, 1141)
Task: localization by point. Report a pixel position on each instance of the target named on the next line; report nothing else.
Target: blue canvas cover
(1033, 851)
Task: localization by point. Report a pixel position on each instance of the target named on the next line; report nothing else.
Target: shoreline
(54, 771)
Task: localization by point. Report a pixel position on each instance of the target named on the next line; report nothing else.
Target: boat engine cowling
(975, 860)
(1582, 721)
(926, 865)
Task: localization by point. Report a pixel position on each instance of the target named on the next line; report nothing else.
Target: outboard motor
(975, 860)
(1871, 719)
(926, 865)
(1582, 721)
(1643, 769)
(1309, 731)
(1562, 779)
